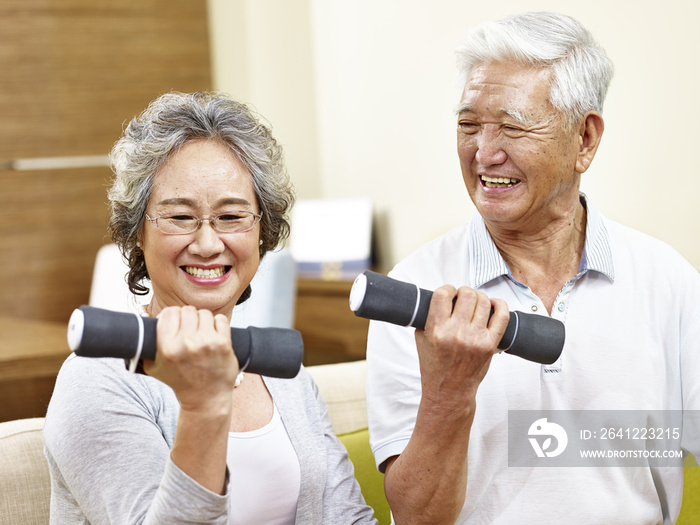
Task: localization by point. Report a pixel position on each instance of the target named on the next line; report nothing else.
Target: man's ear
(590, 133)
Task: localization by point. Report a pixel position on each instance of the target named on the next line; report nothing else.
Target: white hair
(580, 70)
(161, 129)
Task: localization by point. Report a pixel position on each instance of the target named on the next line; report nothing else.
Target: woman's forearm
(200, 445)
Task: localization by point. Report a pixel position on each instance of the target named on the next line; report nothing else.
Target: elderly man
(440, 402)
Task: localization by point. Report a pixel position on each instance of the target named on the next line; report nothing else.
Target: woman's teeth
(498, 182)
(211, 273)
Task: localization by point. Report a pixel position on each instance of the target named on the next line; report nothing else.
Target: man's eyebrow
(515, 114)
(518, 116)
(463, 108)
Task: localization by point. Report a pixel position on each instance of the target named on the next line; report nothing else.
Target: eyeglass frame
(200, 220)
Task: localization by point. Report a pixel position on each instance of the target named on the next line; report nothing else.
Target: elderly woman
(200, 195)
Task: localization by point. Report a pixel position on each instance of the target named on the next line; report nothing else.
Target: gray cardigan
(108, 436)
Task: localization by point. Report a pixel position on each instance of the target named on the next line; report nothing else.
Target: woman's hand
(194, 357)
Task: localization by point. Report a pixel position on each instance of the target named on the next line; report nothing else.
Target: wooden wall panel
(74, 71)
(51, 225)
(331, 332)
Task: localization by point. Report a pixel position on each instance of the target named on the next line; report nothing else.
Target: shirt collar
(486, 262)
(597, 253)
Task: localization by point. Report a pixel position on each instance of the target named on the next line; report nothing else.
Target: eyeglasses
(185, 223)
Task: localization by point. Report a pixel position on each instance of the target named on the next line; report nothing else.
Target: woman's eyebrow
(226, 201)
(176, 201)
(237, 201)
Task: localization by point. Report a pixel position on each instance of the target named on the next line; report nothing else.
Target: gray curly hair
(581, 71)
(160, 130)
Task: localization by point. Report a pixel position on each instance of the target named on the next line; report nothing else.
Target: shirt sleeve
(107, 438)
(393, 389)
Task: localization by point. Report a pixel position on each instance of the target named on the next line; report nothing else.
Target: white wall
(262, 54)
(361, 93)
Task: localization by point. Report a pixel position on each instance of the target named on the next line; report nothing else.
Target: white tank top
(264, 475)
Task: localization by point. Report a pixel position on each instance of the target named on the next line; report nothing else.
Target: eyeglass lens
(229, 222)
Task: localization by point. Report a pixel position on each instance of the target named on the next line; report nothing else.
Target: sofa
(24, 476)
(342, 386)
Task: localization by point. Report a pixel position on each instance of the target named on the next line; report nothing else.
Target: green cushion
(690, 509)
(370, 479)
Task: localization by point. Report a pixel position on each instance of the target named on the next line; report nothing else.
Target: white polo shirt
(632, 318)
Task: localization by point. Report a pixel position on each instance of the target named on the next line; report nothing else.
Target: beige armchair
(24, 475)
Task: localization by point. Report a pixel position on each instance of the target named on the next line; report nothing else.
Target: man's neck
(546, 258)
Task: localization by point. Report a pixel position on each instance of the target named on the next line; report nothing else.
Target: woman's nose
(207, 241)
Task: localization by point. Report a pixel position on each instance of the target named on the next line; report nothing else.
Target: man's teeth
(498, 182)
(211, 273)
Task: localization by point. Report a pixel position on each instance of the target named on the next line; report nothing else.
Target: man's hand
(459, 339)
(427, 483)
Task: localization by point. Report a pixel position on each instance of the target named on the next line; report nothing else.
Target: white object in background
(109, 289)
(332, 231)
(274, 294)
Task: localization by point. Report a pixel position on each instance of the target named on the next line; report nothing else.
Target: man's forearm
(427, 483)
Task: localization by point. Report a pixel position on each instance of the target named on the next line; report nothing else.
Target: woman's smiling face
(205, 269)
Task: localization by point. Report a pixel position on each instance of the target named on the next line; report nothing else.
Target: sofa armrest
(342, 386)
(25, 485)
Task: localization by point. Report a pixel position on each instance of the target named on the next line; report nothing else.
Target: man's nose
(490, 150)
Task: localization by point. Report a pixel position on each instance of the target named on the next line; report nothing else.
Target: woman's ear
(139, 238)
(590, 133)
